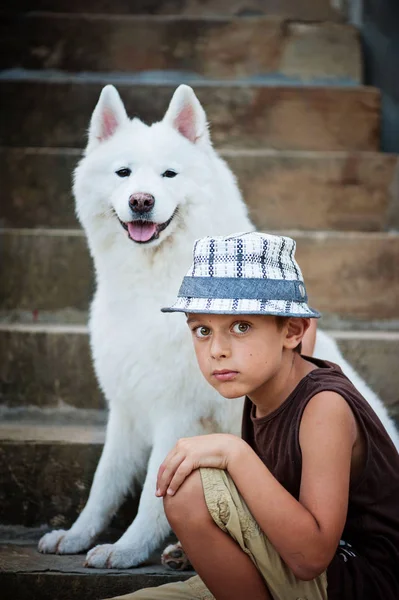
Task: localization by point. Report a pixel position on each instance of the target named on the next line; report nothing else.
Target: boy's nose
(219, 347)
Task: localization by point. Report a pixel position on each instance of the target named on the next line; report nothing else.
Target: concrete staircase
(281, 84)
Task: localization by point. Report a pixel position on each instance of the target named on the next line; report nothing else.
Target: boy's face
(237, 354)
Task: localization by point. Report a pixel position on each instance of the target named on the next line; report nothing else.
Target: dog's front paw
(174, 557)
(112, 556)
(60, 541)
(50, 542)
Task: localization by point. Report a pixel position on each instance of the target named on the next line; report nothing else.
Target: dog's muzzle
(141, 229)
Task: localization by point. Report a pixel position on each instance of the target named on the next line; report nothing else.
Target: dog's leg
(122, 457)
(148, 529)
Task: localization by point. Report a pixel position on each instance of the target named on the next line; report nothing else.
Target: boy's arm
(305, 533)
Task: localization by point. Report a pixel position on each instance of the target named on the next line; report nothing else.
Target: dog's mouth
(143, 232)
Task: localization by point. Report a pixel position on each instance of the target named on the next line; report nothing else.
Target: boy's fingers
(159, 474)
(182, 472)
(167, 459)
(168, 473)
(164, 465)
(158, 480)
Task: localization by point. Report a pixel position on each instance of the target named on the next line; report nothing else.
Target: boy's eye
(240, 327)
(202, 332)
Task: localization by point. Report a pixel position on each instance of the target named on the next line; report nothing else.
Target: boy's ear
(296, 327)
(186, 115)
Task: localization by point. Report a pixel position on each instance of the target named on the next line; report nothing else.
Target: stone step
(313, 10)
(54, 109)
(349, 275)
(45, 269)
(27, 575)
(46, 370)
(217, 47)
(47, 461)
(46, 471)
(284, 189)
(47, 366)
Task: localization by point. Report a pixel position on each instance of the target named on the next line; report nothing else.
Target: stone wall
(380, 34)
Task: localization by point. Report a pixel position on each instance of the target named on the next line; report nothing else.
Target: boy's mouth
(142, 232)
(225, 375)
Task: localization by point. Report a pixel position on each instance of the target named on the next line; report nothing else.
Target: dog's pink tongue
(141, 231)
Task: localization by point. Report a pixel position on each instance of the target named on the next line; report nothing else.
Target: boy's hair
(281, 321)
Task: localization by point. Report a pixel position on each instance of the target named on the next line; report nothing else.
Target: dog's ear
(108, 115)
(186, 114)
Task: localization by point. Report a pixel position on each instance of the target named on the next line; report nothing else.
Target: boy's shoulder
(324, 411)
(327, 376)
(329, 388)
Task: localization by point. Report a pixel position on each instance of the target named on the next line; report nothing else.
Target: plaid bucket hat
(244, 273)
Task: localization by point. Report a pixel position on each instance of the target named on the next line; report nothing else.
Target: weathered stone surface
(313, 10)
(46, 269)
(375, 356)
(33, 430)
(219, 47)
(56, 112)
(316, 190)
(46, 474)
(27, 575)
(321, 51)
(309, 190)
(47, 366)
(45, 482)
(36, 187)
(351, 275)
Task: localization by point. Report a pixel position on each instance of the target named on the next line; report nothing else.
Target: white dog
(143, 195)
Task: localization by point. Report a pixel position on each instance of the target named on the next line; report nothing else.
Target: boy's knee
(188, 504)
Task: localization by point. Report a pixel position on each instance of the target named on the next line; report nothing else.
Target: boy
(306, 504)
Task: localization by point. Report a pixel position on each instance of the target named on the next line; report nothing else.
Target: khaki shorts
(232, 515)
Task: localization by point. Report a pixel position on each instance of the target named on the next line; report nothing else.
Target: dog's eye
(169, 173)
(125, 172)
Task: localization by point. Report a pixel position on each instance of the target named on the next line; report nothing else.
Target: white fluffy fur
(144, 359)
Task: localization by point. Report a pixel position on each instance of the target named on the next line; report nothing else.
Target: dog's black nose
(141, 202)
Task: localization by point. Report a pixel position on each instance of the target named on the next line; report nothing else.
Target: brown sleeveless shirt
(366, 564)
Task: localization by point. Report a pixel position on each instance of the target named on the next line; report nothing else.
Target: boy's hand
(213, 450)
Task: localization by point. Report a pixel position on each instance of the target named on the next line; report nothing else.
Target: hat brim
(227, 306)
